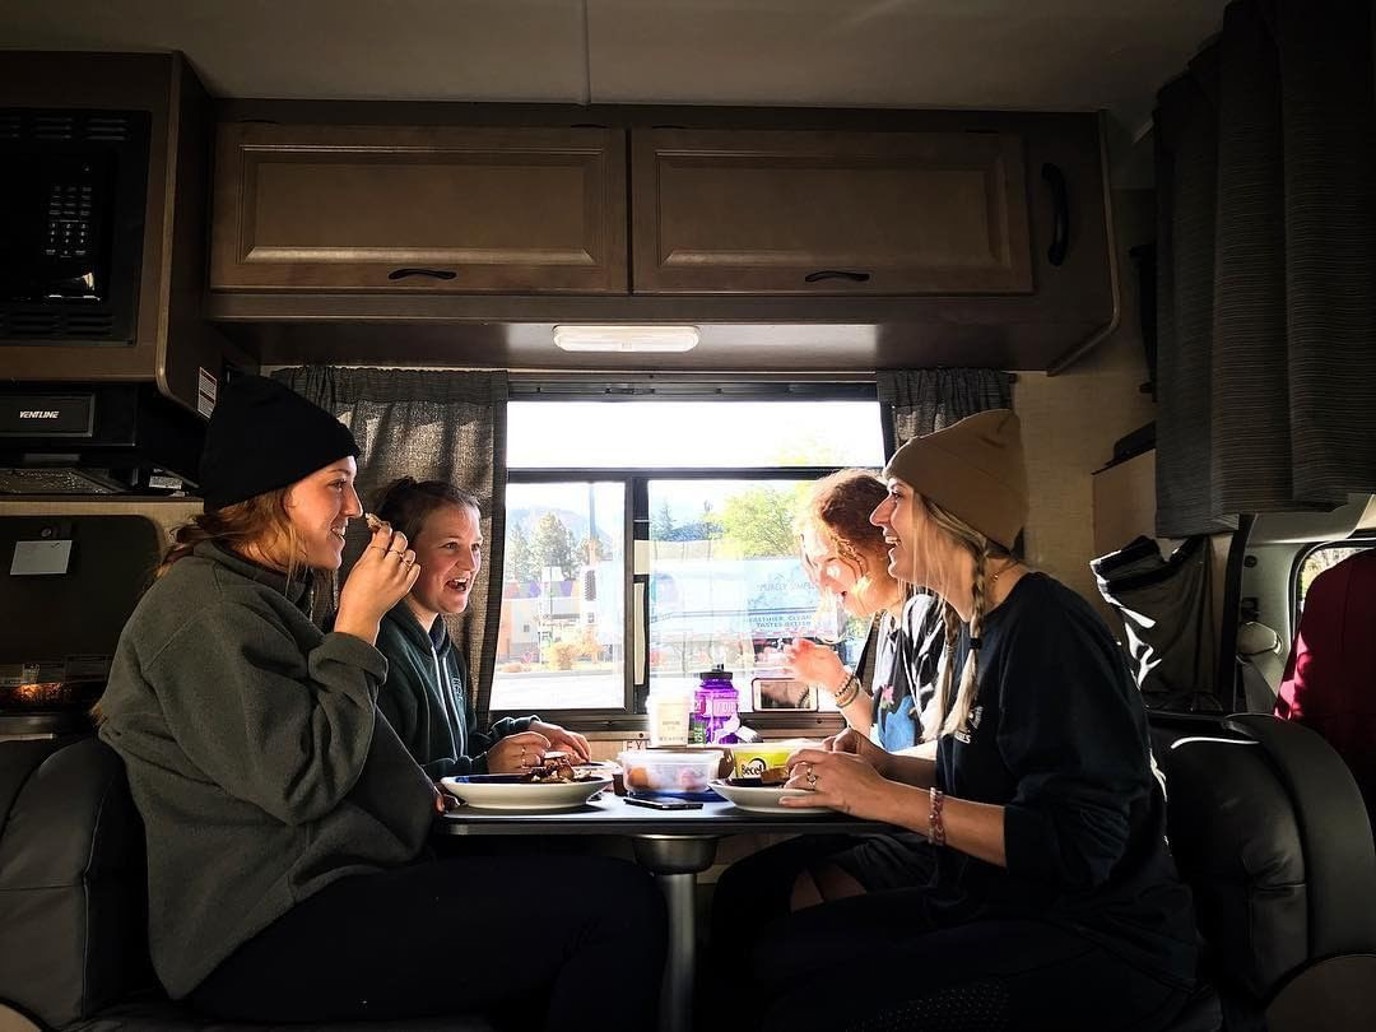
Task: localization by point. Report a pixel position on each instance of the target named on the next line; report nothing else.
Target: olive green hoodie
(256, 757)
(426, 698)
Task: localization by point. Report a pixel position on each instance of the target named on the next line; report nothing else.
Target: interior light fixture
(626, 338)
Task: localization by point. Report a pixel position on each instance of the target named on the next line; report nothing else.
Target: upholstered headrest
(1271, 834)
(1233, 834)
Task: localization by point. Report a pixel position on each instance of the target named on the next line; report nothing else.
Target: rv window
(681, 509)
(1316, 561)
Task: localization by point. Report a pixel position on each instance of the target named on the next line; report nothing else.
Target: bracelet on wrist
(936, 827)
(848, 692)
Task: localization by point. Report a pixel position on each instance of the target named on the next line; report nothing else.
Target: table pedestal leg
(676, 1006)
(675, 861)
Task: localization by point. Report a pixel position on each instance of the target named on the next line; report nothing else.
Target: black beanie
(262, 436)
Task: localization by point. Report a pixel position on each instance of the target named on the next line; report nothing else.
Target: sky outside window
(692, 434)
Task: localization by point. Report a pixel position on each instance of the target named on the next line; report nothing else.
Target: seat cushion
(72, 885)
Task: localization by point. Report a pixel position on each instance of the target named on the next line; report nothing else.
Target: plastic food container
(753, 759)
(669, 772)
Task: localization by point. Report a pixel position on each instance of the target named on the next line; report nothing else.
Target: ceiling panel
(1044, 55)
(482, 50)
(1033, 54)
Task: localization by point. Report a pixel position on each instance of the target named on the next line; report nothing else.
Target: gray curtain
(1266, 187)
(920, 401)
(432, 426)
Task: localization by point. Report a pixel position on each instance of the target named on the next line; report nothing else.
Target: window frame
(631, 715)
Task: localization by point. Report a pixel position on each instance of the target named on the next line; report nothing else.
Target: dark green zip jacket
(426, 698)
(255, 756)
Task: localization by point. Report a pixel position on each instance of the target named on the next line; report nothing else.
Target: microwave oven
(73, 190)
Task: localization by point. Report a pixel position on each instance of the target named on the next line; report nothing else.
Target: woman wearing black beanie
(285, 820)
(1054, 902)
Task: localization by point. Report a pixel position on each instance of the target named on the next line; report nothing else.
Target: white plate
(765, 800)
(518, 795)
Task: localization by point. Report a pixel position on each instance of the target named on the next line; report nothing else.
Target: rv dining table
(674, 845)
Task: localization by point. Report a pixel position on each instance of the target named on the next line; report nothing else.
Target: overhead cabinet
(949, 237)
(433, 209)
(783, 212)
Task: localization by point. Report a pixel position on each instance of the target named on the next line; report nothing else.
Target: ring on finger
(811, 776)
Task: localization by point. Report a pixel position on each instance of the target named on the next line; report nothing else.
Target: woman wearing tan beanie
(1055, 902)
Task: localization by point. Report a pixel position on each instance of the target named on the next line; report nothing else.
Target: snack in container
(685, 773)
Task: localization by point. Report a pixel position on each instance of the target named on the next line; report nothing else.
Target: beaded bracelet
(936, 828)
(848, 692)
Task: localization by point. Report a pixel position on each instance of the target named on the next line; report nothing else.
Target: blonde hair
(945, 715)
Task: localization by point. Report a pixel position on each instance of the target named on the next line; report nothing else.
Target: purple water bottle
(716, 707)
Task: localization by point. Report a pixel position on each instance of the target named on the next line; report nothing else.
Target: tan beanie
(973, 469)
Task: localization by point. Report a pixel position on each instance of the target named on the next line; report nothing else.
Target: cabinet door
(829, 213)
(432, 209)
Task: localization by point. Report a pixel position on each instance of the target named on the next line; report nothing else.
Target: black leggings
(527, 940)
(879, 963)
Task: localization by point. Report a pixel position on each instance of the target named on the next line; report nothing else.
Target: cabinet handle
(1060, 207)
(845, 274)
(444, 274)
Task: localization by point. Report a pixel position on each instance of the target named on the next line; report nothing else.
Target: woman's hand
(379, 580)
(518, 752)
(836, 780)
(916, 767)
(564, 740)
(852, 743)
(815, 664)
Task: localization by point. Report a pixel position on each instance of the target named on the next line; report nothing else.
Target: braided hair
(951, 705)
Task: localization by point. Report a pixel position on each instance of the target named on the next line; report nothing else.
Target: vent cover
(74, 126)
(56, 324)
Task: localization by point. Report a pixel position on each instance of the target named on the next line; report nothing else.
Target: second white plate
(765, 800)
(519, 795)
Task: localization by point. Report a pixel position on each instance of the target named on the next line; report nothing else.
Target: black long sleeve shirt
(1058, 737)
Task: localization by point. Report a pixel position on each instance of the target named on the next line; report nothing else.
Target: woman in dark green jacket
(427, 697)
(286, 823)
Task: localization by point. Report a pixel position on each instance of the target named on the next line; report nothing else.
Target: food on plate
(773, 775)
(557, 767)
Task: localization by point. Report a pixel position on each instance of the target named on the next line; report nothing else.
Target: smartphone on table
(664, 804)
